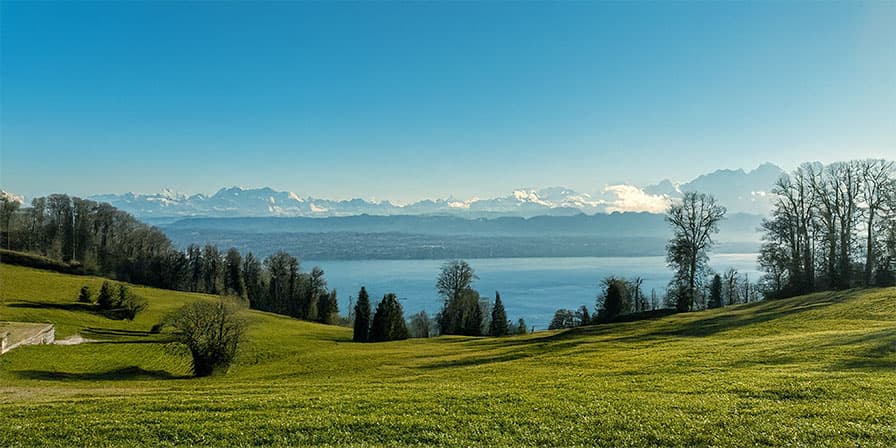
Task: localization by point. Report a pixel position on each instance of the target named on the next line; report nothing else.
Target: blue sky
(405, 101)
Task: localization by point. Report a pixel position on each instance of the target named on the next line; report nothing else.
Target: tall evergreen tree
(474, 319)
(255, 288)
(715, 292)
(281, 268)
(234, 283)
(362, 317)
(293, 296)
(194, 260)
(327, 308)
(212, 268)
(613, 299)
(388, 321)
(498, 324)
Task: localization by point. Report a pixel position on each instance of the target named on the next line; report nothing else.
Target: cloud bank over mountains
(629, 198)
(11, 197)
(740, 191)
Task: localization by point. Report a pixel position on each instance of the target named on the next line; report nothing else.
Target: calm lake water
(531, 288)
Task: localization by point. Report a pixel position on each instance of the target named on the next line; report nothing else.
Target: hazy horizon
(597, 188)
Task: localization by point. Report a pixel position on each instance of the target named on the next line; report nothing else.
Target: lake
(531, 288)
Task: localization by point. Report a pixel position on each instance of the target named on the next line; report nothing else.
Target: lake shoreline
(531, 287)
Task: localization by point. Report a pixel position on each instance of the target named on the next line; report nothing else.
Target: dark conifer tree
(473, 323)
(212, 268)
(194, 261)
(327, 307)
(323, 305)
(333, 309)
(613, 300)
(234, 283)
(362, 317)
(388, 321)
(498, 325)
(715, 292)
(255, 287)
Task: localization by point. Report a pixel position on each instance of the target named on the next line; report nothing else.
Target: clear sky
(405, 101)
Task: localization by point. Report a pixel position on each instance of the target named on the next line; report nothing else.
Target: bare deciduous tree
(878, 186)
(694, 221)
(812, 240)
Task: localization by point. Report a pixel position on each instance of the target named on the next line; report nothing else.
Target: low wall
(45, 334)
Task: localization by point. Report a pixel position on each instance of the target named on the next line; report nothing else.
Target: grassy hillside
(817, 370)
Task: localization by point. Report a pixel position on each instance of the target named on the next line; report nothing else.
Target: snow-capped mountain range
(245, 202)
(740, 191)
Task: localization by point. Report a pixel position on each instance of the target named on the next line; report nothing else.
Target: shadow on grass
(117, 332)
(697, 326)
(114, 314)
(55, 306)
(126, 336)
(881, 355)
(746, 315)
(125, 373)
(475, 361)
(662, 327)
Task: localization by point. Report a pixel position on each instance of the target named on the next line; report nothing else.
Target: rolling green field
(817, 370)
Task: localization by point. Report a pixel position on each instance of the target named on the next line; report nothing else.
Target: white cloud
(629, 198)
(11, 197)
(463, 204)
(529, 196)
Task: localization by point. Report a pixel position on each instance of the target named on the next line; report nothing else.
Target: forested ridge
(100, 239)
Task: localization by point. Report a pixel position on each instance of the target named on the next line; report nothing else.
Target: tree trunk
(869, 251)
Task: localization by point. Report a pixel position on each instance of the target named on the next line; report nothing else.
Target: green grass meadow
(817, 370)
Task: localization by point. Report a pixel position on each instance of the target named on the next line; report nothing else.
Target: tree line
(109, 242)
(463, 312)
(96, 236)
(106, 241)
(832, 228)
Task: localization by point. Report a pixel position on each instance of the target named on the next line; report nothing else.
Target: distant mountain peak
(737, 189)
(768, 168)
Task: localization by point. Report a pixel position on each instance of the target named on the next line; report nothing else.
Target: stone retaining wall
(45, 335)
